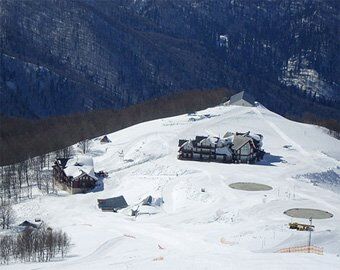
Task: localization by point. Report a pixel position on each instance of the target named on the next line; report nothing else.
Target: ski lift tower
(310, 214)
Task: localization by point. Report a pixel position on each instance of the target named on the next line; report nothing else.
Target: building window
(245, 150)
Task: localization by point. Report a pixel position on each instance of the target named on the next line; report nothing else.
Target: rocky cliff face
(60, 57)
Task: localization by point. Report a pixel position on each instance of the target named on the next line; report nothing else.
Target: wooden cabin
(74, 175)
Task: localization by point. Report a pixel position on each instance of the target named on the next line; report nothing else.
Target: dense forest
(65, 57)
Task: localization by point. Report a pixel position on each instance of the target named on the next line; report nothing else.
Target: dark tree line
(141, 52)
(332, 125)
(21, 138)
(34, 245)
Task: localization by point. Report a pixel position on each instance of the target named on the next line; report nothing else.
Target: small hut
(112, 204)
(28, 225)
(105, 139)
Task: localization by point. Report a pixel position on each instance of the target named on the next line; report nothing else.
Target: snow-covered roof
(257, 137)
(209, 141)
(224, 151)
(79, 165)
(242, 95)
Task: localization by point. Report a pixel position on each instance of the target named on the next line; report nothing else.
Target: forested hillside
(22, 138)
(64, 57)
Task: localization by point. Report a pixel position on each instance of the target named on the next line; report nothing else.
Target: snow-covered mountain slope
(221, 228)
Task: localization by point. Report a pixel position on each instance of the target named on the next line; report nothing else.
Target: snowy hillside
(221, 228)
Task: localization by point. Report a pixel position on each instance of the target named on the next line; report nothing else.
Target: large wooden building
(75, 175)
(237, 148)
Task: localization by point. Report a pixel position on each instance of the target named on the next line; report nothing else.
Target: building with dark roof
(105, 139)
(28, 225)
(244, 149)
(234, 147)
(112, 204)
(75, 175)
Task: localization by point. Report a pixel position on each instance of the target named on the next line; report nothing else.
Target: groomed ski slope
(221, 228)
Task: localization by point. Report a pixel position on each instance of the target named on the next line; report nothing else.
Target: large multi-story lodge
(232, 148)
(75, 175)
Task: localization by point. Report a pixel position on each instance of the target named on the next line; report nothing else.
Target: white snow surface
(214, 228)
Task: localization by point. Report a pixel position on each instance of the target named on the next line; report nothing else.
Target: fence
(303, 249)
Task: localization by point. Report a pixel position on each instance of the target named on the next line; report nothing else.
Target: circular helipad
(249, 186)
(308, 213)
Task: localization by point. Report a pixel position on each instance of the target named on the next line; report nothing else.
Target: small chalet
(76, 175)
(242, 99)
(112, 204)
(105, 139)
(27, 225)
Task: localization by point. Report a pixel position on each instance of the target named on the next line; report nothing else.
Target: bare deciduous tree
(41, 245)
(85, 145)
(7, 216)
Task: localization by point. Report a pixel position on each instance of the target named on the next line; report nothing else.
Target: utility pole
(310, 233)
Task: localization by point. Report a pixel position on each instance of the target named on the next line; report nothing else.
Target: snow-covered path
(220, 228)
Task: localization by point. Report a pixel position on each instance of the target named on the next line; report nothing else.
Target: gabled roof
(105, 139)
(28, 224)
(114, 203)
(181, 142)
(242, 95)
(147, 201)
(200, 138)
(239, 141)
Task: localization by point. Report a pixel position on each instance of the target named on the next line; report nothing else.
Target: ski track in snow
(282, 134)
(187, 231)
